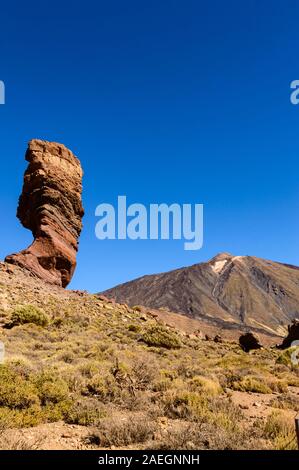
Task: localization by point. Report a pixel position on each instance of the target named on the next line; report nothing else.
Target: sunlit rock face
(51, 207)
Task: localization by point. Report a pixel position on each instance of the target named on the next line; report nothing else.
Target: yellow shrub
(205, 386)
(15, 391)
(251, 384)
(51, 388)
(281, 430)
(160, 337)
(28, 314)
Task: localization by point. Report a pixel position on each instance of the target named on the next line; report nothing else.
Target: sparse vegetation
(28, 314)
(285, 357)
(258, 384)
(160, 337)
(128, 380)
(205, 386)
(281, 430)
(286, 401)
(85, 413)
(111, 432)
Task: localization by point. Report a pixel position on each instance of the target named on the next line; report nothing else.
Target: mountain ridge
(241, 291)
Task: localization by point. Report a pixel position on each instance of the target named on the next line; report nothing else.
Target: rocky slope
(83, 372)
(50, 206)
(231, 292)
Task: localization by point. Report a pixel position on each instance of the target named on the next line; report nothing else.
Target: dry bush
(12, 443)
(8, 441)
(190, 436)
(116, 432)
(281, 431)
(286, 401)
(85, 412)
(144, 373)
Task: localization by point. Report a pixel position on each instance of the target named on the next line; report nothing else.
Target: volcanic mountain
(229, 292)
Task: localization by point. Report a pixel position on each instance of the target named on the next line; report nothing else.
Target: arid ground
(82, 372)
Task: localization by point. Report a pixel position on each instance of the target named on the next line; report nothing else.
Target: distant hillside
(228, 291)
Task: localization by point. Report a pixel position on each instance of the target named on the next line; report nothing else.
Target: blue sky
(162, 101)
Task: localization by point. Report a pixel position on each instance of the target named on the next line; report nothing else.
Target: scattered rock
(82, 293)
(192, 336)
(153, 314)
(50, 206)
(243, 407)
(102, 297)
(218, 339)
(199, 334)
(293, 334)
(249, 341)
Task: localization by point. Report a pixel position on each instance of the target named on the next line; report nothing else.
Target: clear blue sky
(163, 101)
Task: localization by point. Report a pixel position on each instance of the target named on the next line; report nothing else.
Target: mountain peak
(233, 292)
(221, 257)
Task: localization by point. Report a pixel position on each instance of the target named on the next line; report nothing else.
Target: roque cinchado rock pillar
(51, 207)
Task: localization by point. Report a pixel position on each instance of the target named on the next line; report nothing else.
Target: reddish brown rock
(50, 206)
(218, 339)
(293, 334)
(249, 341)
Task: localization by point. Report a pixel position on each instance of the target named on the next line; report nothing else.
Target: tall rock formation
(50, 206)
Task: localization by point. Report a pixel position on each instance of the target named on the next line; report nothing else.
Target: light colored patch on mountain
(219, 265)
(280, 331)
(239, 258)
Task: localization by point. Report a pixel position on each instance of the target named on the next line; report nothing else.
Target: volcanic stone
(293, 334)
(249, 341)
(50, 206)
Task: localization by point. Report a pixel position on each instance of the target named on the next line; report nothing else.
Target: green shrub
(205, 386)
(28, 314)
(53, 412)
(184, 404)
(134, 328)
(21, 418)
(15, 391)
(161, 338)
(57, 322)
(251, 384)
(285, 357)
(51, 389)
(104, 387)
(85, 413)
